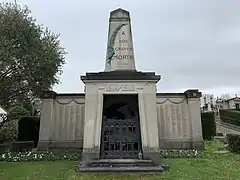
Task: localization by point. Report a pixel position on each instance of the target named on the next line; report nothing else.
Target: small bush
(18, 111)
(208, 125)
(75, 156)
(28, 129)
(22, 146)
(230, 116)
(234, 143)
(39, 156)
(8, 132)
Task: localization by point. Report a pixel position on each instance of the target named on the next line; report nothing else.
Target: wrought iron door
(120, 139)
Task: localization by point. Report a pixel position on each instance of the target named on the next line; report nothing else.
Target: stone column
(98, 123)
(91, 148)
(149, 124)
(46, 119)
(193, 99)
(143, 123)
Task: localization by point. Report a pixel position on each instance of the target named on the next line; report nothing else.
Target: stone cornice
(53, 95)
(121, 75)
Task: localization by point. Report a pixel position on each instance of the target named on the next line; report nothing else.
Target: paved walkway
(226, 128)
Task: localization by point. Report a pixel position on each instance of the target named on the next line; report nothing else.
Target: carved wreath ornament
(110, 49)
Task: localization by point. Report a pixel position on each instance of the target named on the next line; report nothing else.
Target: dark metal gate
(120, 139)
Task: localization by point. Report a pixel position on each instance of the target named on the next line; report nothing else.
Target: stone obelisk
(120, 53)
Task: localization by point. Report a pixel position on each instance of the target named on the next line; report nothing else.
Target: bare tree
(225, 96)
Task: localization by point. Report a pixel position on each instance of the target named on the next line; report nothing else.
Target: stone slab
(120, 162)
(121, 75)
(135, 169)
(75, 146)
(181, 145)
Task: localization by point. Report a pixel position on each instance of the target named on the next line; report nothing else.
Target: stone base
(90, 154)
(122, 165)
(75, 146)
(151, 154)
(135, 169)
(181, 144)
(95, 154)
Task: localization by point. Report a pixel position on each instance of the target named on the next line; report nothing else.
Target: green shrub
(234, 143)
(18, 111)
(28, 129)
(8, 132)
(230, 116)
(208, 125)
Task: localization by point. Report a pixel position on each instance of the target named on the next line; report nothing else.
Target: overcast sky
(191, 43)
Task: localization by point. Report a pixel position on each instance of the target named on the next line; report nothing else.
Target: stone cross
(120, 53)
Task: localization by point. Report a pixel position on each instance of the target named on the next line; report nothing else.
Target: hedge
(234, 143)
(230, 116)
(208, 125)
(28, 129)
(22, 146)
(17, 146)
(4, 147)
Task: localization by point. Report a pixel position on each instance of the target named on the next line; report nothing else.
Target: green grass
(214, 167)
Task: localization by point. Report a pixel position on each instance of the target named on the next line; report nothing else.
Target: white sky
(191, 43)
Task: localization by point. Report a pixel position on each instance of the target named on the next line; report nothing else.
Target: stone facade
(124, 82)
(62, 121)
(178, 117)
(167, 120)
(179, 120)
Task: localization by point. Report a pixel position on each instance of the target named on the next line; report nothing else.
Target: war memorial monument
(120, 118)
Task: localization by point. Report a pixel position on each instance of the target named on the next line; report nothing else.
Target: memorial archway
(121, 137)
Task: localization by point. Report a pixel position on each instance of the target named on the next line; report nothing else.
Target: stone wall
(62, 121)
(178, 127)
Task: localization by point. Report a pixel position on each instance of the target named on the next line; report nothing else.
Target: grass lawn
(214, 167)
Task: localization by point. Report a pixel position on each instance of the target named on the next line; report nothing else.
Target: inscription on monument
(162, 121)
(123, 52)
(185, 122)
(123, 49)
(123, 41)
(179, 120)
(122, 57)
(120, 88)
(174, 119)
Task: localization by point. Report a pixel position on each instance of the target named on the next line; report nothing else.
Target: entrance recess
(121, 137)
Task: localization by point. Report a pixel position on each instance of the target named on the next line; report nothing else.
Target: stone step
(134, 169)
(120, 163)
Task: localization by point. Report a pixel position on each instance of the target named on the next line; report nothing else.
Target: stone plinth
(120, 82)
